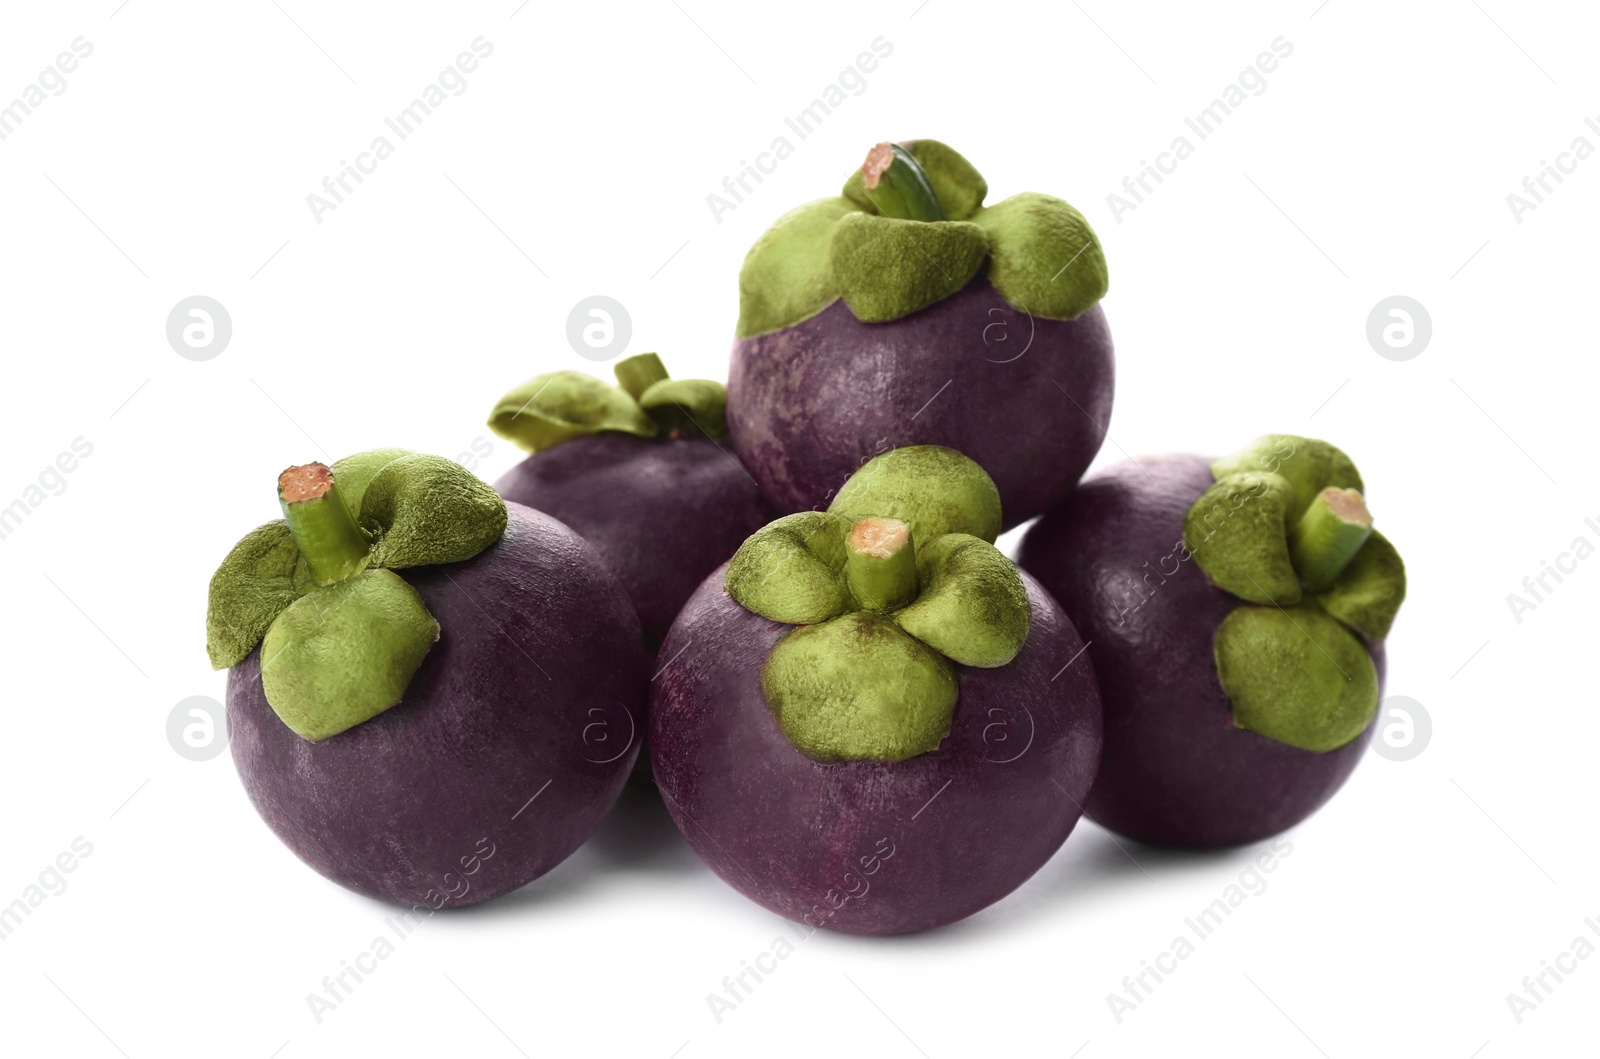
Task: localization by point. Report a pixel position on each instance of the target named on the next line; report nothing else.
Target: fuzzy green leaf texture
(343, 654)
(262, 575)
(424, 510)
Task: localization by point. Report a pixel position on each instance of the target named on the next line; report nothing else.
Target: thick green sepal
(263, 574)
(1308, 465)
(933, 489)
(792, 570)
(638, 373)
(1296, 675)
(688, 406)
(886, 268)
(422, 510)
(1369, 592)
(549, 409)
(344, 653)
(972, 607)
(355, 473)
(1238, 532)
(1044, 257)
(786, 275)
(858, 688)
(956, 181)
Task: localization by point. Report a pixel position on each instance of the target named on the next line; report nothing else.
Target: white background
(577, 162)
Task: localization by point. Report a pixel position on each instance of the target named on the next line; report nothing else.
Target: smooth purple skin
(1175, 770)
(810, 403)
(539, 677)
(968, 822)
(662, 514)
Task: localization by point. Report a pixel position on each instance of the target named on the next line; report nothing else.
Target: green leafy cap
(549, 409)
(891, 588)
(341, 634)
(908, 230)
(1285, 528)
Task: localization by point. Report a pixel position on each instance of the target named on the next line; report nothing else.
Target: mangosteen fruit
(432, 693)
(640, 471)
(904, 311)
(1236, 611)
(870, 721)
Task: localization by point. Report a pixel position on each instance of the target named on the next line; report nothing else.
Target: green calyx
(1285, 528)
(866, 249)
(858, 688)
(549, 409)
(933, 489)
(1296, 675)
(344, 653)
(890, 589)
(341, 634)
(910, 229)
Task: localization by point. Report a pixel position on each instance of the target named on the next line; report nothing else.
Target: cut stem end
(323, 527)
(1328, 536)
(881, 564)
(895, 183)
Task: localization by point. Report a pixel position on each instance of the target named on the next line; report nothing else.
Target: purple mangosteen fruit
(432, 692)
(870, 720)
(904, 311)
(639, 472)
(1236, 610)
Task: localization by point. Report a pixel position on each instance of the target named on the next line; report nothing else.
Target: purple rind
(1027, 397)
(517, 732)
(1175, 770)
(661, 513)
(968, 822)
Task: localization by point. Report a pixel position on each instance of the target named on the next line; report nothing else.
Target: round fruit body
(1027, 397)
(506, 751)
(872, 847)
(1175, 769)
(661, 514)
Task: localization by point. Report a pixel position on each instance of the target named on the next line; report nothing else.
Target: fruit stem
(1328, 536)
(637, 374)
(323, 527)
(881, 564)
(897, 185)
